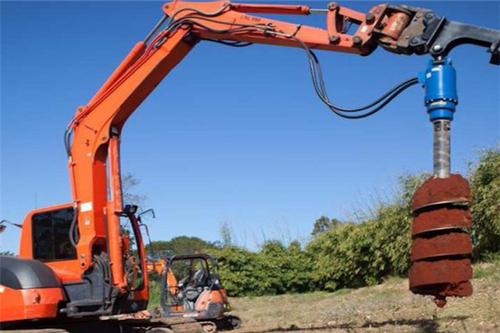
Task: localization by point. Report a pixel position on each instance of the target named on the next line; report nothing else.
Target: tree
(179, 245)
(323, 224)
(129, 182)
(485, 184)
(226, 234)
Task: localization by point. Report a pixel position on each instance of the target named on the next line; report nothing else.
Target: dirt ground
(388, 307)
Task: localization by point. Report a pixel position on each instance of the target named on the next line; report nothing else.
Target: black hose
(371, 108)
(73, 230)
(67, 140)
(229, 43)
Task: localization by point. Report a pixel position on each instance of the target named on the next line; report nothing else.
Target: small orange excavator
(76, 270)
(191, 288)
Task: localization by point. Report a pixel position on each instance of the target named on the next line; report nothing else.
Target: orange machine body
(29, 304)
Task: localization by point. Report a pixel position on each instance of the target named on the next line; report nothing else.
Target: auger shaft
(441, 156)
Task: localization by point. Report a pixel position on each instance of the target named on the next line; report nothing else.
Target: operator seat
(200, 278)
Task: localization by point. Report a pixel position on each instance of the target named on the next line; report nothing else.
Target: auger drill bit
(441, 246)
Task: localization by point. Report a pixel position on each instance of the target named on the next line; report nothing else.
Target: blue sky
(231, 135)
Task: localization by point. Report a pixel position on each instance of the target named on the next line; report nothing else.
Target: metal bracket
(451, 34)
(433, 34)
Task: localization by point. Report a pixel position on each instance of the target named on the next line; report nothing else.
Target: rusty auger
(441, 245)
(441, 248)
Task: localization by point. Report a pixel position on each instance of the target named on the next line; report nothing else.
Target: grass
(488, 270)
(388, 307)
(154, 294)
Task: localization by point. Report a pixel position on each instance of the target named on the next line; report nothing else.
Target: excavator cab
(44, 277)
(31, 281)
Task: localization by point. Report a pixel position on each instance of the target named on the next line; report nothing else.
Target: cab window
(51, 235)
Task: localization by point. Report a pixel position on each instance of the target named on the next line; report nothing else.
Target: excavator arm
(93, 135)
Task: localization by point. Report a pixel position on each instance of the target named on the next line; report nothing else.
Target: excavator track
(178, 324)
(43, 330)
(119, 324)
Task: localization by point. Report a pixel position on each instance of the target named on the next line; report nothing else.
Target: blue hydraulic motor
(441, 98)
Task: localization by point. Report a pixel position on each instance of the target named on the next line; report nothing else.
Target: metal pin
(318, 10)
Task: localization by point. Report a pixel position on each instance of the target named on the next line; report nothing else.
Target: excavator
(191, 287)
(76, 271)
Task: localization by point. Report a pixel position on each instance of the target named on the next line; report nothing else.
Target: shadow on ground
(421, 325)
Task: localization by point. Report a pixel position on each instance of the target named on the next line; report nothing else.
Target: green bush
(485, 185)
(275, 269)
(154, 294)
(238, 271)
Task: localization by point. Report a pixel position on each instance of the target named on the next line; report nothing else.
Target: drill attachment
(441, 246)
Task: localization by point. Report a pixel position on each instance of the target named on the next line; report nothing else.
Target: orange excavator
(191, 287)
(77, 270)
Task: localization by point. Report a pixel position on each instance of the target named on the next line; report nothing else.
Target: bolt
(37, 298)
(436, 48)
(429, 16)
(414, 41)
(369, 18)
(356, 40)
(332, 6)
(334, 39)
